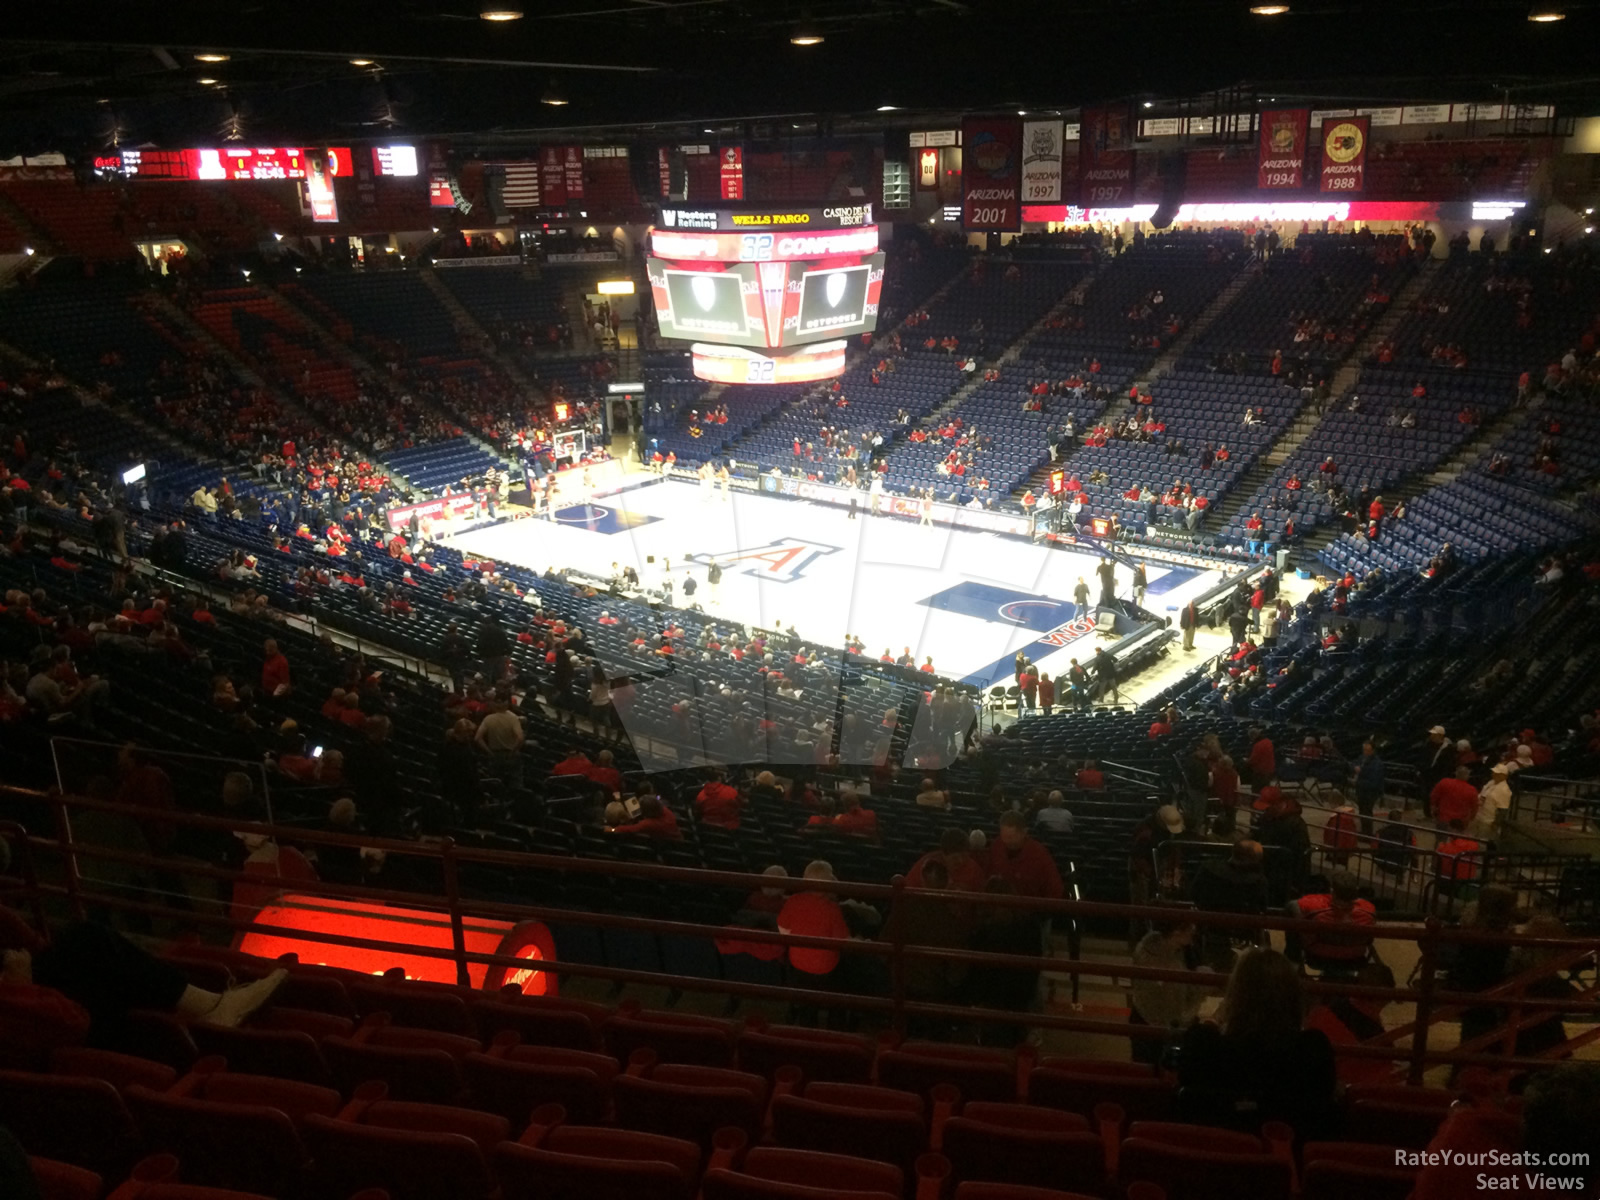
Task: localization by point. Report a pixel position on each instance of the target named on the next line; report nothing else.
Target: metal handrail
(1427, 995)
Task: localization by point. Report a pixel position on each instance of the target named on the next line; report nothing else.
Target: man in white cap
(1149, 836)
(1524, 757)
(1493, 802)
(1437, 759)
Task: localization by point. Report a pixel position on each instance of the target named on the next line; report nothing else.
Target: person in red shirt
(1090, 777)
(1022, 861)
(814, 914)
(863, 822)
(1458, 857)
(927, 665)
(575, 763)
(1159, 728)
(1344, 919)
(81, 984)
(655, 820)
(1350, 1020)
(1263, 760)
(1339, 834)
(274, 671)
(965, 873)
(1453, 798)
(719, 803)
(605, 775)
(1560, 1111)
(1225, 782)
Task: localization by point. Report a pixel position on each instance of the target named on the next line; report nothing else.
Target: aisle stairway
(1170, 356)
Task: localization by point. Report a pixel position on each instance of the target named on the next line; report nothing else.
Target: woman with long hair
(1257, 1062)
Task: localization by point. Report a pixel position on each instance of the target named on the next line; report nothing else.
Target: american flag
(522, 185)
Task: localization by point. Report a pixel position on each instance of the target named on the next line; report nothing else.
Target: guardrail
(895, 1003)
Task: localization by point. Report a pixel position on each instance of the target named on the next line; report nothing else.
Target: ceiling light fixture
(806, 34)
(1149, 103)
(1269, 10)
(553, 96)
(1545, 14)
(888, 108)
(499, 12)
(360, 62)
(211, 58)
(205, 79)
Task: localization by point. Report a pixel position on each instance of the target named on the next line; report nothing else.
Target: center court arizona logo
(781, 561)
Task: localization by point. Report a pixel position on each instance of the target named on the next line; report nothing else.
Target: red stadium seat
(979, 1074)
(673, 1037)
(809, 1167)
(284, 1053)
(1078, 1085)
(818, 1054)
(731, 1185)
(413, 1003)
(488, 1130)
(1015, 1143)
(162, 1037)
(537, 1022)
(408, 1164)
(883, 1132)
(251, 1147)
(119, 1070)
(1395, 1115)
(691, 1103)
(579, 1163)
(1185, 1172)
(303, 1020)
(1353, 1171)
(295, 1099)
(433, 1076)
(530, 1077)
(78, 1121)
(1012, 1191)
(63, 1181)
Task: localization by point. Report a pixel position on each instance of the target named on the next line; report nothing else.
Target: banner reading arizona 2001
(991, 174)
(1344, 154)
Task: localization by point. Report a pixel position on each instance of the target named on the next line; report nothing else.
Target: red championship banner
(572, 171)
(1281, 157)
(732, 158)
(552, 177)
(1105, 157)
(991, 174)
(1344, 154)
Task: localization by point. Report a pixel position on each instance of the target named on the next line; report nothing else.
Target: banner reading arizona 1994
(991, 174)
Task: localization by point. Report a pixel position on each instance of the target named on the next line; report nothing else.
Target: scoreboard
(228, 162)
(769, 281)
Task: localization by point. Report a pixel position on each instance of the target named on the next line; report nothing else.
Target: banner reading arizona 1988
(991, 174)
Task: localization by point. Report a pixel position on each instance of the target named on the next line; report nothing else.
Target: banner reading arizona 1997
(991, 174)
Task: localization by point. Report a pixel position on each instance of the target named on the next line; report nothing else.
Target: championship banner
(664, 165)
(1041, 162)
(991, 174)
(732, 172)
(552, 177)
(572, 172)
(1344, 154)
(1105, 157)
(927, 170)
(1281, 157)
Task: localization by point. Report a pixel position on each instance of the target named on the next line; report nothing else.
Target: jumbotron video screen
(768, 281)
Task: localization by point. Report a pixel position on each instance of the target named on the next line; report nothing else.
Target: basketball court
(969, 599)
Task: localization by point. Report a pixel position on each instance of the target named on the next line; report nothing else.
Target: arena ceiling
(77, 75)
